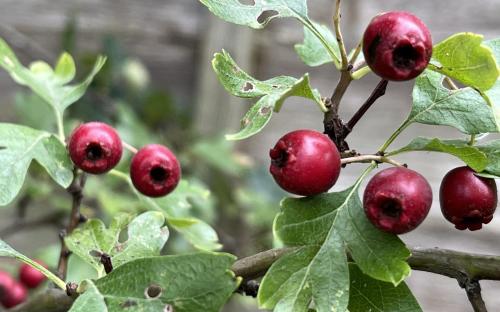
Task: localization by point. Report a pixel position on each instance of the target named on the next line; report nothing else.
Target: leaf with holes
(492, 151)
(313, 51)
(195, 282)
(470, 155)
(176, 207)
(368, 294)
(50, 85)
(322, 228)
(146, 237)
(463, 57)
(463, 109)
(272, 93)
(21, 145)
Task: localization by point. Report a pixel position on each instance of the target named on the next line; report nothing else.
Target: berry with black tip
(95, 147)
(397, 46)
(305, 162)
(467, 200)
(397, 200)
(155, 171)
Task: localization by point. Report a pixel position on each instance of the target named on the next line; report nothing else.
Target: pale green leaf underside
(312, 51)
(463, 109)
(50, 85)
(464, 58)
(259, 14)
(470, 155)
(272, 93)
(195, 282)
(21, 145)
(492, 151)
(368, 294)
(493, 95)
(146, 237)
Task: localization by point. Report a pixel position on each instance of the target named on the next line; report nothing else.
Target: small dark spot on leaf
(266, 16)
(235, 69)
(119, 247)
(95, 253)
(245, 122)
(276, 86)
(168, 308)
(265, 110)
(127, 304)
(153, 291)
(248, 87)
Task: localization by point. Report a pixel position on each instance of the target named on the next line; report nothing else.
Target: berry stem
(472, 140)
(340, 39)
(129, 147)
(369, 159)
(356, 53)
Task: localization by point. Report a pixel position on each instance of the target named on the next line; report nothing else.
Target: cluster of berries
(96, 148)
(397, 46)
(13, 292)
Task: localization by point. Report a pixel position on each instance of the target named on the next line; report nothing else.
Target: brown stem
(369, 159)
(338, 34)
(76, 192)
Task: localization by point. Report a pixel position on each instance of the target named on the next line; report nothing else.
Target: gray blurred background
(176, 39)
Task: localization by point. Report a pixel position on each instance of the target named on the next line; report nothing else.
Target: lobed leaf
(195, 282)
(21, 145)
(492, 151)
(146, 237)
(272, 93)
(470, 155)
(313, 52)
(465, 58)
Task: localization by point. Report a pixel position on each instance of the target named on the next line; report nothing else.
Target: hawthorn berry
(15, 295)
(95, 147)
(155, 171)
(6, 283)
(305, 162)
(466, 199)
(397, 46)
(397, 200)
(31, 277)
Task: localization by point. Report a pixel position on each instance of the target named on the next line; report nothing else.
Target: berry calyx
(397, 200)
(155, 171)
(467, 200)
(31, 277)
(305, 162)
(397, 46)
(15, 295)
(95, 147)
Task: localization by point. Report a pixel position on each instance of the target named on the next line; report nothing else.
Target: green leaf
(470, 155)
(323, 227)
(368, 294)
(463, 109)
(273, 93)
(492, 151)
(41, 78)
(196, 282)
(493, 95)
(22, 145)
(463, 57)
(176, 207)
(146, 237)
(313, 52)
(256, 15)
(7, 251)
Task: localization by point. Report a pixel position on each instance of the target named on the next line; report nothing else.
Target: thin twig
(129, 147)
(369, 159)
(76, 191)
(450, 83)
(378, 92)
(338, 33)
(356, 53)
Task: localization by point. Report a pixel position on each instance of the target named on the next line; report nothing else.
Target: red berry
(15, 295)
(95, 147)
(397, 200)
(6, 284)
(30, 276)
(305, 162)
(155, 170)
(467, 200)
(397, 46)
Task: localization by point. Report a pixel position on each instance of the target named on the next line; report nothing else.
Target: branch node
(71, 289)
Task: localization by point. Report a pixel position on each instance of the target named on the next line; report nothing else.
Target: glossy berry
(467, 200)
(305, 162)
(15, 295)
(397, 200)
(95, 147)
(31, 277)
(155, 170)
(397, 46)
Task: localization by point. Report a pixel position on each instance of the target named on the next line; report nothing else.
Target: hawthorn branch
(338, 33)
(369, 159)
(76, 192)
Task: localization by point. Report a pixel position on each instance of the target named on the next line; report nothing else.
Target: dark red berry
(397, 200)
(30, 276)
(397, 46)
(305, 162)
(95, 147)
(17, 294)
(155, 170)
(467, 200)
